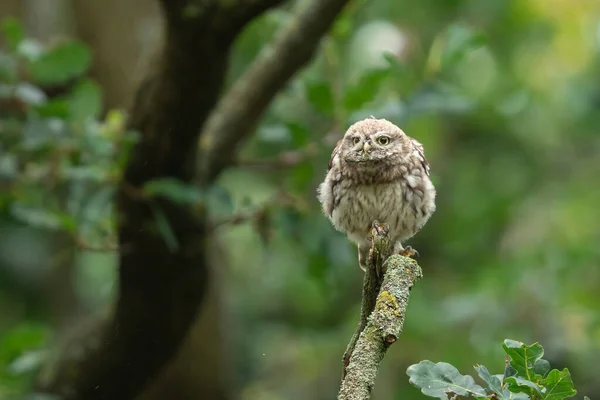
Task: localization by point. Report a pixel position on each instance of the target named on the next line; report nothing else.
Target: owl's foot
(409, 252)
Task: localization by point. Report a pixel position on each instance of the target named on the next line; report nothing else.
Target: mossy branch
(382, 315)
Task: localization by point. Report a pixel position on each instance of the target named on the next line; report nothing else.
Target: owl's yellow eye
(356, 140)
(383, 140)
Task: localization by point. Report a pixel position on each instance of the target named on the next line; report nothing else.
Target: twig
(240, 109)
(382, 317)
(259, 213)
(284, 159)
(84, 245)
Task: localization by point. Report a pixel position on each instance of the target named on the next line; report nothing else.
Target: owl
(377, 173)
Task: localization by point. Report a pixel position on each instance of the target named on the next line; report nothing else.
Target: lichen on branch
(384, 303)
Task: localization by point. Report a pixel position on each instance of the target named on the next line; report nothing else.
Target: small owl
(377, 173)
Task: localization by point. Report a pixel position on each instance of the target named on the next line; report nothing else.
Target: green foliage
(174, 190)
(459, 40)
(367, 87)
(526, 376)
(439, 380)
(60, 64)
(21, 354)
(86, 101)
(320, 96)
(13, 32)
(56, 154)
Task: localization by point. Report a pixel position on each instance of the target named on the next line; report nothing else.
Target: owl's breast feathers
(400, 194)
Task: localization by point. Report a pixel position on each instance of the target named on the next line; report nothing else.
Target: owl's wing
(326, 189)
(334, 153)
(420, 153)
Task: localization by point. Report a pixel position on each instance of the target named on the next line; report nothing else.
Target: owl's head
(374, 141)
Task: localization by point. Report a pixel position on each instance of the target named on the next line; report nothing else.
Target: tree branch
(382, 317)
(283, 160)
(240, 109)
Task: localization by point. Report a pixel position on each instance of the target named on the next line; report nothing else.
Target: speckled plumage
(371, 180)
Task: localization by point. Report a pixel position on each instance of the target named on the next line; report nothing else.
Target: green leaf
(541, 367)
(174, 190)
(520, 385)
(93, 173)
(559, 385)
(403, 78)
(41, 218)
(509, 371)
(164, 228)
(56, 107)
(85, 101)
(494, 384)
(343, 27)
(275, 133)
(365, 90)
(29, 94)
(8, 68)
(522, 357)
(439, 380)
(27, 362)
(219, 201)
(459, 40)
(516, 396)
(439, 98)
(13, 32)
(320, 96)
(8, 166)
(31, 50)
(24, 337)
(299, 133)
(61, 63)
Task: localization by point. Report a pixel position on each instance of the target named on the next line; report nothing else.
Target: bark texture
(382, 317)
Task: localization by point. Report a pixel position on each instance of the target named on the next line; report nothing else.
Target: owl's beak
(367, 147)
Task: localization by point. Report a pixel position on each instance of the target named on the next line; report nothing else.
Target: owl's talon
(409, 252)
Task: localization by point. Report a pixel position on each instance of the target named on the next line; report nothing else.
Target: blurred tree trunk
(123, 36)
(200, 369)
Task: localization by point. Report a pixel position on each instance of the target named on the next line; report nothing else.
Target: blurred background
(505, 97)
